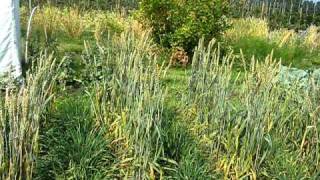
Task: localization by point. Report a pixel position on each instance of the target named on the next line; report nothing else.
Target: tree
(181, 23)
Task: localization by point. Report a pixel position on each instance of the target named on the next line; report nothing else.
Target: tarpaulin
(10, 38)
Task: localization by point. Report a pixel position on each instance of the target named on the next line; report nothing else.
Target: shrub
(183, 23)
(105, 23)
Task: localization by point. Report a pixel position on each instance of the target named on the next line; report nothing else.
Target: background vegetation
(293, 14)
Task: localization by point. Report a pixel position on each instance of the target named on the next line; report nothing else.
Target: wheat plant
(21, 113)
(241, 121)
(128, 100)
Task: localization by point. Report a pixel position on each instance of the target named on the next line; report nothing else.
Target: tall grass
(247, 27)
(312, 39)
(129, 102)
(244, 125)
(90, 4)
(21, 112)
(51, 21)
(254, 38)
(73, 22)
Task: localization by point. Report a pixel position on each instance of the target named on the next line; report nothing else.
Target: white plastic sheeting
(10, 39)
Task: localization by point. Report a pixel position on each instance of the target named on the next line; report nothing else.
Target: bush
(183, 23)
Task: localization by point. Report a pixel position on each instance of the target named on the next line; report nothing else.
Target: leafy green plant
(183, 23)
(106, 24)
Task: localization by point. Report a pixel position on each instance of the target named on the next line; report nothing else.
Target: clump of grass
(72, 22)
(240, 124)
(253, 39)
(128, 101)
(71, 146)
(284, 37)
(47, 20)
(248, 27)
(312, 39)
(21, 111)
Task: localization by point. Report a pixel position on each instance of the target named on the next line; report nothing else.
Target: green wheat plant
(128, 100)
(21, 112)
(244, 122)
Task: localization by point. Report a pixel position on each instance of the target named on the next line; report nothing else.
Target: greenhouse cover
(10, 39)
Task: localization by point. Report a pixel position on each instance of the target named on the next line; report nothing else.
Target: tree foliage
(182, 23)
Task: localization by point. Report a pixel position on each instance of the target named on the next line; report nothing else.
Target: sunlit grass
(240, 124)
(22, 110)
